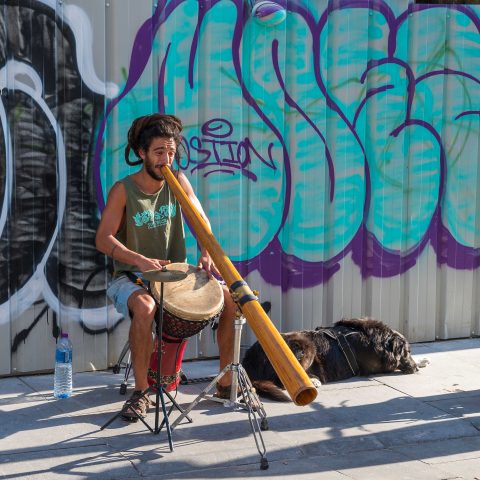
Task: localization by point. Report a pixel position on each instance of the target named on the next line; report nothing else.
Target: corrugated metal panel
(335, 151)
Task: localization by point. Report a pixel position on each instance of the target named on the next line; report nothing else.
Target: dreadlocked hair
(144, 129)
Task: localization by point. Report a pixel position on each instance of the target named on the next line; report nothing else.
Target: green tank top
(153, 226)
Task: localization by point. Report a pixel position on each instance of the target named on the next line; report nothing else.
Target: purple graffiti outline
(468, 112)
(212, 131)
(370, 93)
(411, 78)
(291, 102)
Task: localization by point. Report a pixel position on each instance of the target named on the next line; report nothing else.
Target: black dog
(349, 348)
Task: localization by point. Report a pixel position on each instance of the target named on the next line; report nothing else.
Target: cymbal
(164, 275)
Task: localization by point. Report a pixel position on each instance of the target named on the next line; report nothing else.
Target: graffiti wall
(333, 144)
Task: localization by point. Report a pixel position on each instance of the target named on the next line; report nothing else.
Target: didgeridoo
(291, 373)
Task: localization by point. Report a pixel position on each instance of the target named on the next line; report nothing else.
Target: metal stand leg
(242, 396)
(124, 384)
(128, 367)
(126, 348)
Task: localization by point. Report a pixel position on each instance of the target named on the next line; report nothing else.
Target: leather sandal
(138, 405)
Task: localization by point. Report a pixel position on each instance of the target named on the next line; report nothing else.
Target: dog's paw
(422, 362)
(316, 382)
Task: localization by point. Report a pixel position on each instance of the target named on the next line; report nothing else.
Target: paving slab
(465, 469)
(460, 457)
(386, 464)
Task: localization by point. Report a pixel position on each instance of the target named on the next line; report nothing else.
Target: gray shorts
(119, 292)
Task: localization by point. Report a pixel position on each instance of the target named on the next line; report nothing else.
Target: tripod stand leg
(253, 399)
(202, 395)
(177, 406)
(126, 406)
(165, 421)
(124, 385)
(117, 367)
(253, 407)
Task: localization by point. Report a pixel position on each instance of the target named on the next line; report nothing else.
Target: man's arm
(108, 227)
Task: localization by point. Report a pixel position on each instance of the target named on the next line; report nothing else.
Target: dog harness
(340, 334)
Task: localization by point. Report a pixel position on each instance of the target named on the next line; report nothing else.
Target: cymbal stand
(242, 396)
(157, 387)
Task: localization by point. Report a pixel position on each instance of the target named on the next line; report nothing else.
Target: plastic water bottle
(62, 385)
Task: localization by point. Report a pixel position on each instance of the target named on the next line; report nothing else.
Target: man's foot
(137, 403)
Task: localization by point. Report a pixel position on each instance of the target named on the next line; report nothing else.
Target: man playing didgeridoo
(142, 229)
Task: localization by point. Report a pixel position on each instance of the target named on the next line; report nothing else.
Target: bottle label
(62, 356)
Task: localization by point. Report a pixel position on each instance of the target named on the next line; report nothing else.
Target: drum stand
(242, 396)
(157, 387)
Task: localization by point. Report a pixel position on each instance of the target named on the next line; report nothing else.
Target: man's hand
(145, 264)
(207, 264)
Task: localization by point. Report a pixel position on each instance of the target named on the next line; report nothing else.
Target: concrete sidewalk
(420, 427)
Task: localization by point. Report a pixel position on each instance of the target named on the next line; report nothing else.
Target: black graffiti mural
(48, 114)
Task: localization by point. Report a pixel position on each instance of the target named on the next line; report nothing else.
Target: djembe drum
(189, 305)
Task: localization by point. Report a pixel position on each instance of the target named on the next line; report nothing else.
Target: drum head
(197, 297)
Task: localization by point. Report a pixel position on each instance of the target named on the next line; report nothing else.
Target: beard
(149, 169)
